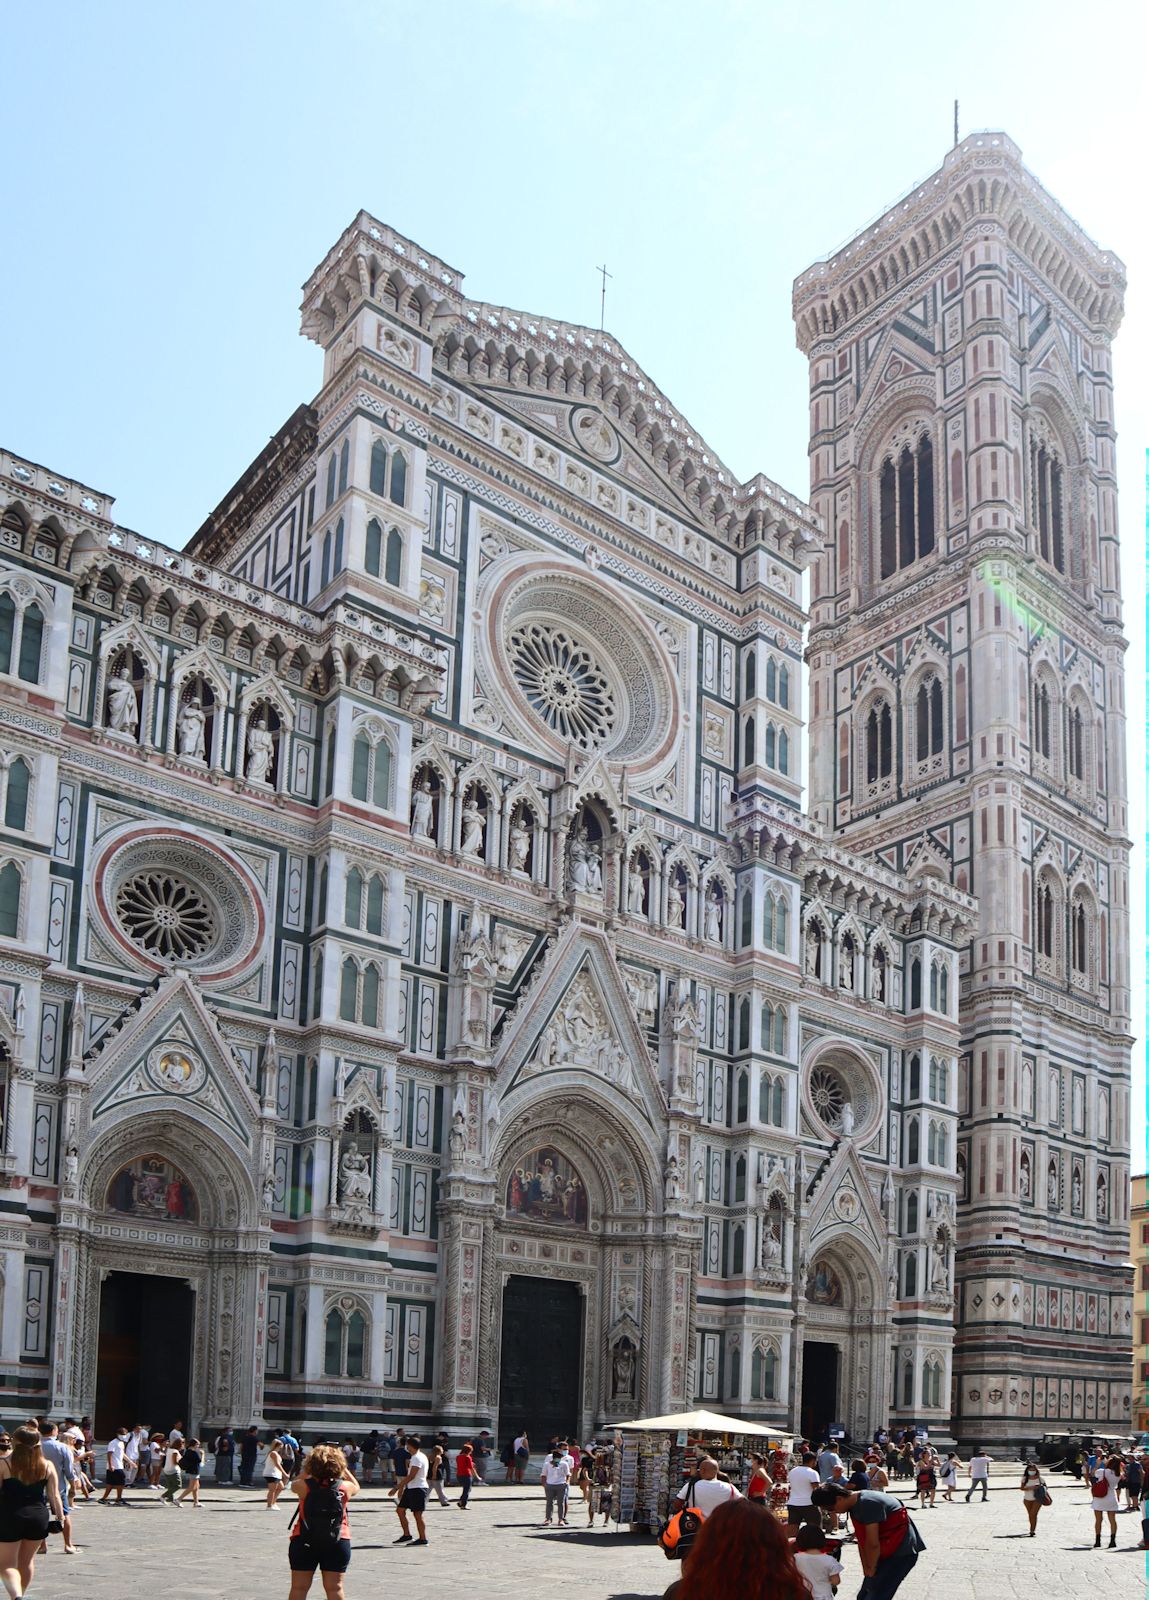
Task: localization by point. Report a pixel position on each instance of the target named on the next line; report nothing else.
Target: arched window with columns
(906, 505)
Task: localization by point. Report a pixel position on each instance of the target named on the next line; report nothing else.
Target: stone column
(313, 1342)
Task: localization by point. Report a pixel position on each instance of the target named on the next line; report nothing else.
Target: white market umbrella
(701, 1422)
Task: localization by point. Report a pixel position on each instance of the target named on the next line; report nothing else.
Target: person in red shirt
(759, 1486)
(466, 1473)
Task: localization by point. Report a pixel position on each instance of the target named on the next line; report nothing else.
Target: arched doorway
(574, 1269)
(841, 1343)
(169, 1270)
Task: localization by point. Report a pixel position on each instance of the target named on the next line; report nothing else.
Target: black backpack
(320, 1515)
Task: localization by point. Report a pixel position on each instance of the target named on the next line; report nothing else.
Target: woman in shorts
(273, 1473)
(28, 1488)
(191, 1464)
(325, 1472)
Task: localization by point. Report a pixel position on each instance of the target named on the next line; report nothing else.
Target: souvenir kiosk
(653, 1456)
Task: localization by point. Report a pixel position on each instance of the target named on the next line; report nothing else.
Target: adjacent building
(421, 991)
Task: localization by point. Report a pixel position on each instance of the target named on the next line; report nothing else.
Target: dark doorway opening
(819, 1388)
(539, 1386)
(143, 1364)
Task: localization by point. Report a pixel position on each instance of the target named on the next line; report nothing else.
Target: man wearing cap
(888, 1542)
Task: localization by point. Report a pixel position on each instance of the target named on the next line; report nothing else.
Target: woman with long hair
(1106, 1477)
(320, 1531)
(1032, 1493)
(28, 1487)
(741, 1549)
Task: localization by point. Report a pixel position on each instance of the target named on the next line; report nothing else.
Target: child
(820, 1572)
(467, 1474)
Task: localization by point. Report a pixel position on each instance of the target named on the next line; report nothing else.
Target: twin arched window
(774, 1030)
(1046, 499)
(764, 1373)
(1075, 743)
(937, 1144)
(371, 770)
(879, 742)
(776, 753)
(1079, 937)
(775, 922)
(331, 561)
(388, 475)
(906, 506)
(11, 895)
(932, 1382)
(364, 900)
(777, 683)
(359, 988)
(345, 1344)
(15, 787)
(384, 557)
(1042, 736)
(772, 1100)
(21, 637)
(1046, 920)
(929, 730)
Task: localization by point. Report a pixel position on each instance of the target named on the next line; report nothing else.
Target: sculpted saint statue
(519, 844)
(260, 750)
(354, 1177)
(123, 707)
(713, 916)
(190, 729)
(422, 810)
(635, 894)
(674, 904)
(471, 843)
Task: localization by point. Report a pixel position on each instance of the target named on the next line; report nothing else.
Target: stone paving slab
(234, 1549)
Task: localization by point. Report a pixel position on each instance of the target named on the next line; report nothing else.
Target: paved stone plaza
(233, 1548)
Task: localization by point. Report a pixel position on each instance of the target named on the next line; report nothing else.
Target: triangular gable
(844, 1205)
(171, 1049)
(579, 1023)
(900, 359)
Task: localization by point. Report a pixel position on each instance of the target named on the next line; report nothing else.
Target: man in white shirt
(116, 1476)
(522, 1449)
(803, 1480)
(708, 1489)
(411, 1492)
(979, 1474)
(556, 1476)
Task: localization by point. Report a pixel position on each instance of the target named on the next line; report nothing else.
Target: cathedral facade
(422, 993)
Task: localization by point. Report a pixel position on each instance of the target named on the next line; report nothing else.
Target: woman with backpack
(1103, 1485)
(1034, 1494)
(320, 1534)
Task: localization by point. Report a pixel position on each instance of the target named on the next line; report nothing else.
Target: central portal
(539, 1387)
(143, 1366)
(819, 1388)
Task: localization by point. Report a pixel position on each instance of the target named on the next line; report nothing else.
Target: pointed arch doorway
(540, 1367)
(144, 1353)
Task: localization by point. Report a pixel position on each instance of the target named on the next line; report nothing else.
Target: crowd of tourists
(776, 1521)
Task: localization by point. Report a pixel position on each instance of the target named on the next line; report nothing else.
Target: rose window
(566, 661)
(165, 916)
(167, 898)
(828, 1095)
(563, 683)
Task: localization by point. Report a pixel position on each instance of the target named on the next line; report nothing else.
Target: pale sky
(173, 173)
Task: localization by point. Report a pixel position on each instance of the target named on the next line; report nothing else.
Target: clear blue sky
(173, 173)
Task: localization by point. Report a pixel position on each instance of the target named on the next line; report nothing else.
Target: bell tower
(967, 721)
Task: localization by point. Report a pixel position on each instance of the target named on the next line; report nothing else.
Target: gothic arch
(217, 1170)
(614, 1159)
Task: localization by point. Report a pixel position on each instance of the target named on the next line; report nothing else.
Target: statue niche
(354, 1206)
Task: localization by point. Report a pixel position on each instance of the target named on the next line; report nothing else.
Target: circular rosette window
(842, 1096)
(169, 899)
(580, 665)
